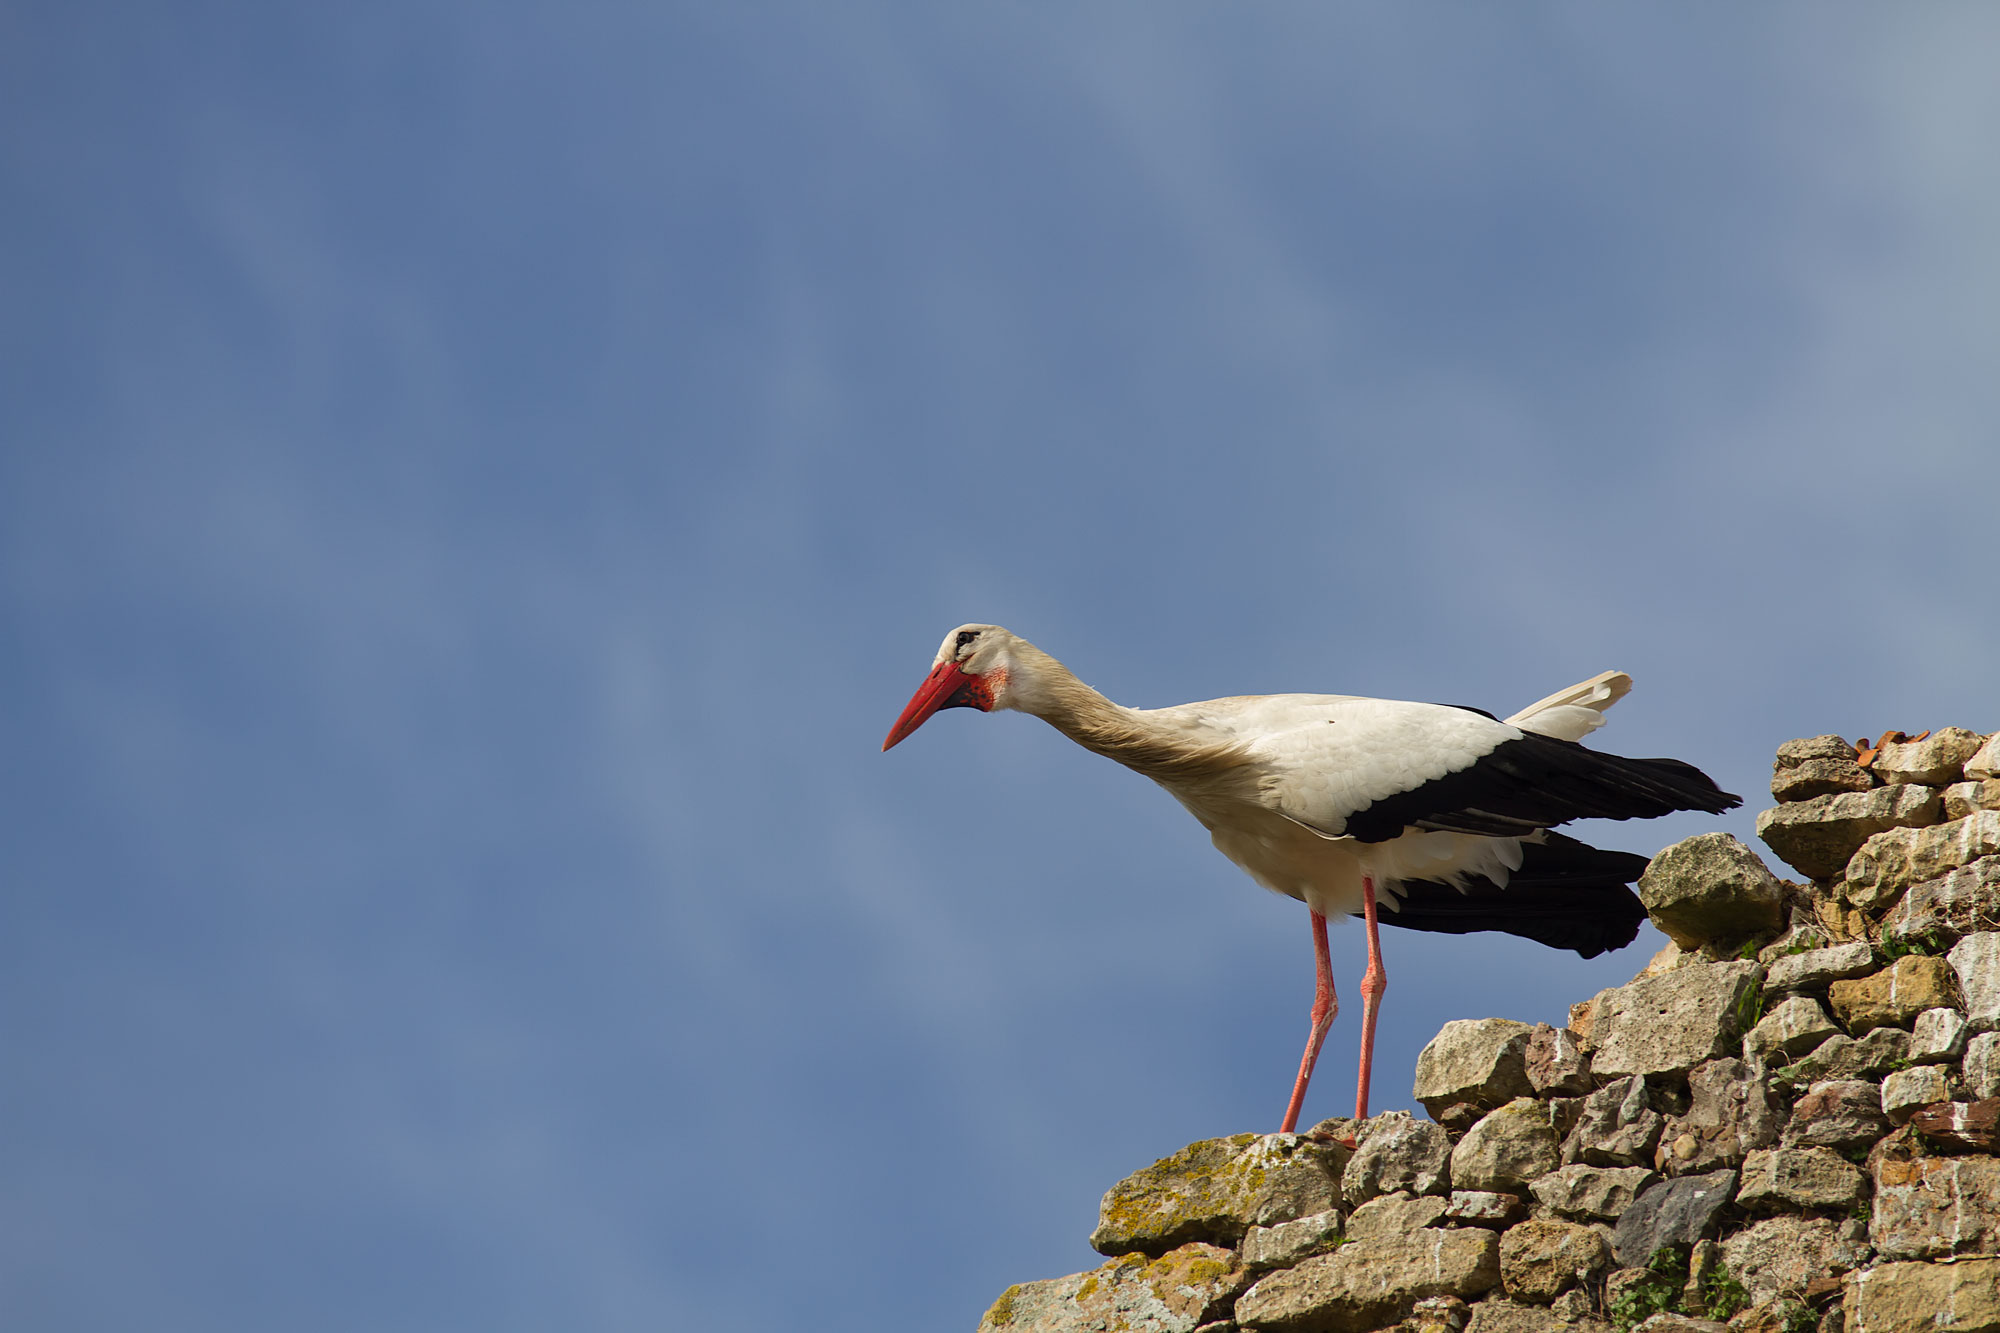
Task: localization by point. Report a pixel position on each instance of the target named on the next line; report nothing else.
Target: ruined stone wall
(1788, 1123)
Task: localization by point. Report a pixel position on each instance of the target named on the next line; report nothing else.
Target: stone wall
(1788, 1123)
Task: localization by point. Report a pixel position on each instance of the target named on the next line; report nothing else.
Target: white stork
(1421, 815)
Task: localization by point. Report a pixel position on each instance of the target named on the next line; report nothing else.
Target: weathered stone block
(1674, 1212)
(1938, 1036)
(1175, 1293)
(1820, 777)
(1286, 1243)
(1931, 1206)
(1961, 902)
(1477, 1061)
(1845, 1114)
(1541, 1260)
(1793, 1027)
(1817, 837)
(1904, 1091)
(1805, 1178)
(1669, 1024)
(1556, 1064)
(1891, 861)
(1601, 1192)
(1976, 960)
(1711, 887)
(1936, 760)
(1962, 1297)
(1396, 1151)
(1985, 763)
(1731, 1110)
(1506, 1149)
(1817, 968)
(1615, 1126)
(1485, 1208)
(1367, 1284)
(1962, 798)
(1217, 1189)
(1787, 1254)
(1960, 1126)
(1840, 1058)
(1894, 996)
(1795, 752)
(1981, 1066)
(1396, 1214)
(1497, 1314)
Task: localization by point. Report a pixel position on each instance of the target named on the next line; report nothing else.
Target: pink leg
(1373, 982)
(1325, 1006)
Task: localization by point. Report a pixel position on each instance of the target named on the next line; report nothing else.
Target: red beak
(945, 687)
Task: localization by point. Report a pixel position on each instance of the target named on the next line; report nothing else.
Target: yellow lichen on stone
(1002, 1313)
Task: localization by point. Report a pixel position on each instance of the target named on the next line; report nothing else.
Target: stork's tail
(1567, 895)
(1574, 713)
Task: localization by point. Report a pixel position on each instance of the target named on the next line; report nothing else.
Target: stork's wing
(1574, 713)
(1372, 768)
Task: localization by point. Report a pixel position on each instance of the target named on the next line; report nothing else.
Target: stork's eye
(966, 636)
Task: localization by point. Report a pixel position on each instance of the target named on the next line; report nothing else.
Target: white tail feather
(1574, 713)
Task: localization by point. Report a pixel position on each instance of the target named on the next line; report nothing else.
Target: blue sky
(476, 485)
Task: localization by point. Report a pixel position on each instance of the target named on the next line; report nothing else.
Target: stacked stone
(1795, 1108)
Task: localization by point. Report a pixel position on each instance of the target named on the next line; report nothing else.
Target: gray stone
(1841, 1058)
(1787, 1254)
(1675, 1212)
(1476, 1061)
(1801, 1178)
(1396, 1215)
(1217, 1189)
(1894, 996)
(1938, 1036)
(1976, 960)
(1891, 861)
(1962, 798)
(1711, 888)
(1820, 777)
(1437, 1314)
(1986, 762)
(1286, 1243)
(1540, 1260)
(1666, 1321)
(1176, 1293)
(1367, 1284)
(1907, 1090)
(1843, 1114)
(1931, 1206)
(1981, 1066)
(1496, 1314)
(1485, 1208)
(1817, 837)
(1817, 968)
(1601, 1192)
(1397, 1152)
(1556, 1064)
(1731, 1111)
(1938, 911)
(1934, 761)
(1616, 1126)
(1506, 1149)
(1792, 1027)
(1793, 753)
(1962, 1297)
(1669, 1024)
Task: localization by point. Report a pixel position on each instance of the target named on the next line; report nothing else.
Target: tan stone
(1819, 777)
(1540, 1260)
(1938, 911)
(1669, 1024)
(1891, 861)
(1478, 1061)
(1937, 759)
(1962, 798)
(1894, 996)
(1367, 1284)
(1986, 763)
(1784, 1254)
(1961, 1297)
(1806, 1178)
(1397, 1152)
(1217, 1189)
(1175, 1293)
(1506, 1149)
(1711, 887)
(1601, 1192)
(1817, 837)
(1396, 1215)
(1908, 1090)
(1930, 1206)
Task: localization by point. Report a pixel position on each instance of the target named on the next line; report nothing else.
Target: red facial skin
(945, 687)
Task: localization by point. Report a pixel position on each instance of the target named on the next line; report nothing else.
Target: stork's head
(970, 671)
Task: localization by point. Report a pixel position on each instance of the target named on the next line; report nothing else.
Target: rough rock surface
(1938, 911)
(1817, 837)
(1711, 888)
(1931, 1206)
(1986, 762)
(1982, 1066)
(1962, 798)
(1960, 1126)
(1842, 1114)
(1894, 996)
(1481, 1062)
(1499, 1315)
(1485, 1208)
(1366, 1284)
(1541, 1260)
(1906, 1090)
(1841, 1057)
(1820, 777)
(1396, 1215)
(1175, 1293)
(1817, 968)
(1808, 1178)
(1506, 1149)
(1397, 1152)
(1891, 861)
(1615, 1126)
(1936, 760)
(1976, 961)
(1286, 1243)
(1556, 1064)
(1669, 1024)
(1962, 1297)
(1674, 1212)
(1592, 1191)
(1938, 1036)
(1730, 1112)
(1217, 1189)
(1795, 1025)
(1785, 1254)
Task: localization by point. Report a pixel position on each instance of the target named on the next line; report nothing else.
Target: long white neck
(1037, 683)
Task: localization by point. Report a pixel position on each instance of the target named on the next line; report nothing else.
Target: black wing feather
(1567, 895)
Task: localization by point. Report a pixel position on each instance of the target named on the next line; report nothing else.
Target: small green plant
(1750, 1007)
(1717, 1296)
(1664, 1287)
(1929, 943)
